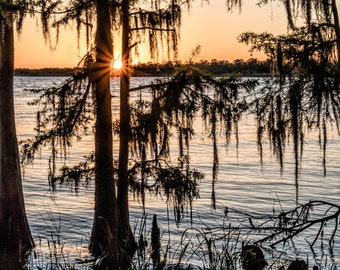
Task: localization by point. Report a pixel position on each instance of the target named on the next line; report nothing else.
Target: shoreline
(249, 68)
(67, 72)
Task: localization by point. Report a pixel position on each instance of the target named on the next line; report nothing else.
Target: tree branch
(151, 28)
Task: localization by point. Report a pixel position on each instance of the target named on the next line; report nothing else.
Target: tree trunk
(124, 230)
(104, 228)
(15, 235)
(337, 33)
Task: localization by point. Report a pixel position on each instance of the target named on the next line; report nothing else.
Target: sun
(116, 61)
(117, 64)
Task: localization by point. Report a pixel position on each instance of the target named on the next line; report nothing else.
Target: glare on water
(243, 183)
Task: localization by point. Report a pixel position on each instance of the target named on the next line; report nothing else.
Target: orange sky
(211, 26)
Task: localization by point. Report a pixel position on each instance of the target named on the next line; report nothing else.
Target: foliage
(309, 9)
(65, 112)
(304, 95)
(172, 107)
(156, 21)
(306, 12)
(176, 104)
(231, 4)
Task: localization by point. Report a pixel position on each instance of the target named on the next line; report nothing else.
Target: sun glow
(117, 63)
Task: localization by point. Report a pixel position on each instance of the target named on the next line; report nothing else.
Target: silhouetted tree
(143, 128)
(106, 223)
(15, 235)
(111, 231)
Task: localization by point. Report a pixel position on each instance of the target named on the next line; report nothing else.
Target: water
(243, 184)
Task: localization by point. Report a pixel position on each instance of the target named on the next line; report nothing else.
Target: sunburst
(117, 63)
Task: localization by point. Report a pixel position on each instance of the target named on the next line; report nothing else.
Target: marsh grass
(52, 253)
(217, 247)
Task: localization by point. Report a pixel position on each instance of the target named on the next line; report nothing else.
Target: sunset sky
(209, 25)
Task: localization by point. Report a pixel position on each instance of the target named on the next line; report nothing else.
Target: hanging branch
(303, 90)
(160, 23)
(65, 113)
(171, 109)
(174, 106)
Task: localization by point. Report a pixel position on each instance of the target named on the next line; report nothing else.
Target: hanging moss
(303, 93)
(65, 114)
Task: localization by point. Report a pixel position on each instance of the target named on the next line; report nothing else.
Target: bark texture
(104, 226)
(15, 235)
(124, 127)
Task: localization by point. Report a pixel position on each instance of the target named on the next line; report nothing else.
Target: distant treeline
(44, 72)
(251, 67)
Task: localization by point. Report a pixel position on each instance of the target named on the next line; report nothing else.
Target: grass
(216, 248)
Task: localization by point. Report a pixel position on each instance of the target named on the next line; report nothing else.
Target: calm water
(242, 183)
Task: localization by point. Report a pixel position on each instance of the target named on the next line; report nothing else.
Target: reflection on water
(242, 183)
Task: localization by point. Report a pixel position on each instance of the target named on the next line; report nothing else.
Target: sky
(209, 25)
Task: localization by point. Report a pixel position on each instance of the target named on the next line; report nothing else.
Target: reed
(251, 244)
